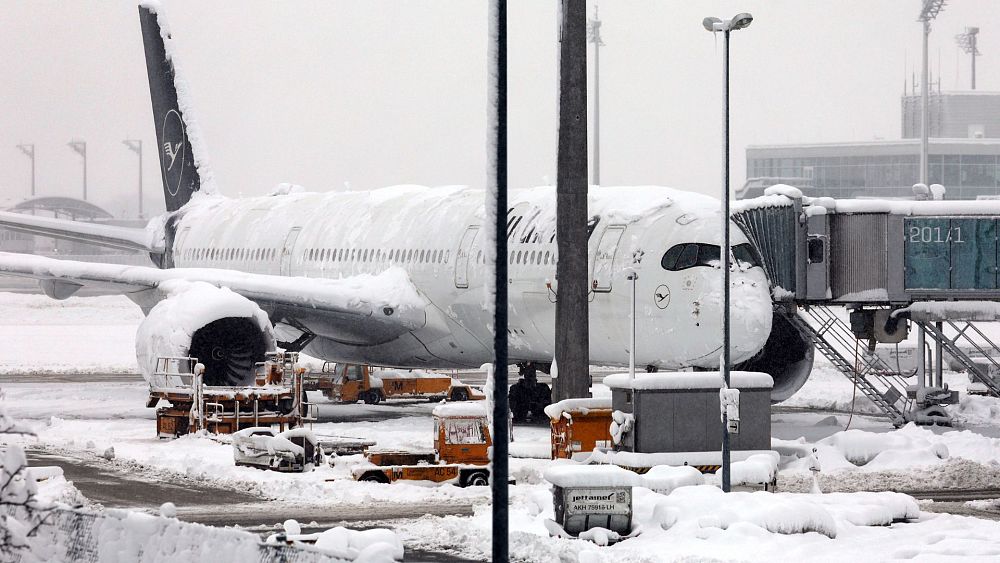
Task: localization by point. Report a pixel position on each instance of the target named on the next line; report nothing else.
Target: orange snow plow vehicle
(461, 452)
(349, 383)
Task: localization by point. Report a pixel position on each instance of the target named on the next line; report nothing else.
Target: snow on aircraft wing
(104, 235)
(383, 306)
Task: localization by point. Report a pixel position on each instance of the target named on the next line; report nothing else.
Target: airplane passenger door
(286, 251)
(462, 259)
(605, 257)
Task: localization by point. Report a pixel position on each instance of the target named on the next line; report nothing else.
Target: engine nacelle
(227, 332)
(787, 357)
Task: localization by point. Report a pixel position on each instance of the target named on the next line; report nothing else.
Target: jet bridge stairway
(876, 380)
(974, 339)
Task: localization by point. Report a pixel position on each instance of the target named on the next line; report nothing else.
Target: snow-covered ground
(693, 523)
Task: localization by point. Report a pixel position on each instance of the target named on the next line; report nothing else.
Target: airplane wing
(380, 307)
(94, 233)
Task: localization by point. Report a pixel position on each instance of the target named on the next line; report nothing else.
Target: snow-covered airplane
(398, 276)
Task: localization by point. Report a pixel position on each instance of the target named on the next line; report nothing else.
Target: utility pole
(594, 36)
(572, 314)
(135, 145)
(80, 148)
(967, 42)
(29, 151)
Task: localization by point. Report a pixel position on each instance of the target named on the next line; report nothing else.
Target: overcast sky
(374, 93)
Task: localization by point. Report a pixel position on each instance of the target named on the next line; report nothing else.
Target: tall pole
(973, 61)
(967, 42)
(498, 132)
(595, 38)
(924, 112)
(29, 151)
(135, 145)
(725, 254)
(572, 272)
(80, 148)
(928, 11)
(716, 25)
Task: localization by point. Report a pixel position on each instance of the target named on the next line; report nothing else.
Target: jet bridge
(929, 266)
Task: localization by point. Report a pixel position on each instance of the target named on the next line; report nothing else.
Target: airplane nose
(750, 317)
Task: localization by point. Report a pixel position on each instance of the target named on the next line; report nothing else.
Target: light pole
(929, 11)
(716, 25)
(594, 36)
(29, 151)
(967, 42)
(135, 145)
(80, 147)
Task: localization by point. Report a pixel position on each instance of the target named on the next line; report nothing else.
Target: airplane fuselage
(440, 237)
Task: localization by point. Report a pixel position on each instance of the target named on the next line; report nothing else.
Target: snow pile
(557, 410)
(116, 536)
(377, 544)
(756, 469)
(707, 506)
(910, 458)
(621, 424)
(567, 475)
(886, 449)
(465, 409)
(664, 478)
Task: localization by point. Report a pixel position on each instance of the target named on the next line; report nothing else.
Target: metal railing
(973, 339)
(873, 377)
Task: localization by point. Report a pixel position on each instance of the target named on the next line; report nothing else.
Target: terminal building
(963, 155)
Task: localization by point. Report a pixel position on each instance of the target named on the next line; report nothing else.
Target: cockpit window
(746, 256)
(689, 255)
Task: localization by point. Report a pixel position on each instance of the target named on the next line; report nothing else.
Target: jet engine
(787, 357)
(225, 331)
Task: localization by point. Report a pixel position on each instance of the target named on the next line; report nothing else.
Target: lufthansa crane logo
(173, 154)
(662, 296)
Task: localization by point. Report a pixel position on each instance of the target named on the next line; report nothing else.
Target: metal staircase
(834, 339)
(974, 339)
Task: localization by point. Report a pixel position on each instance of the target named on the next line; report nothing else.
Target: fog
(363, 94)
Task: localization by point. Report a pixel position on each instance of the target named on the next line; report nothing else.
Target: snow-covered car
(290, 451)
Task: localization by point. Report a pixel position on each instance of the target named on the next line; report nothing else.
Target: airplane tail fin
(177, 159)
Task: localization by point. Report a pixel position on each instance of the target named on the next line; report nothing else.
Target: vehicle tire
(373, 397)
(460, 394)
(477, 479)
(374, 477)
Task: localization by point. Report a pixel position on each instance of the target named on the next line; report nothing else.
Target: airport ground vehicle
(349, 383)
(579, 425)
(290, 451)
(460, 456)
(275, 397)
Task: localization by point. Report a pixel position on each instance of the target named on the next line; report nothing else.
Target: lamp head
(740, 21)
(712, 24)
